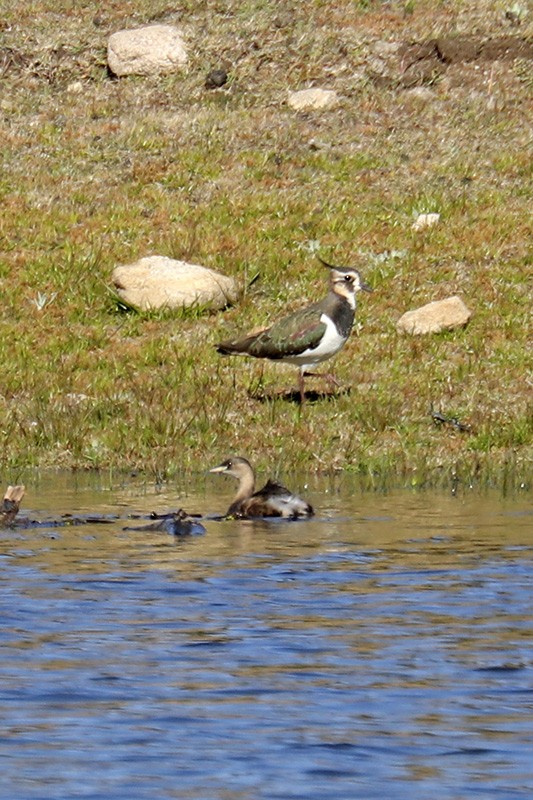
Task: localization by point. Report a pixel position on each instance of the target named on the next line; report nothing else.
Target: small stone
(216, 78)
(76, 87)
(76, 398)
(420, 94)
(151, 50)
(161, 282)
(385, 49)
(425, 221)
(440, 315)
(313, 99)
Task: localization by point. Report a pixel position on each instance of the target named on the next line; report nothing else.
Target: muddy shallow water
(383, 649)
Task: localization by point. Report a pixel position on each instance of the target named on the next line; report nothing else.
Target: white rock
(425, 221)
(312, 99)
(383, 48)
(160, 282)
(76, 87)
(440, 315)
(151, 50)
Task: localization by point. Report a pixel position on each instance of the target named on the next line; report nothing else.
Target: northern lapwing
(273, 500)
(311, 334)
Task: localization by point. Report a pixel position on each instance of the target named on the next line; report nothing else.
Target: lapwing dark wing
(310, 335)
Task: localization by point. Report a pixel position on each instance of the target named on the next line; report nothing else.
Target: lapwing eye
(348, 278)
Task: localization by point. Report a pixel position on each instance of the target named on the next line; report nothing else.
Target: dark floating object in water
(176, 523)
(11, 505)
(273, 500)
(441, 419)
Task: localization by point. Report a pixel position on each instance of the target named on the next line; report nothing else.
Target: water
(383, 650)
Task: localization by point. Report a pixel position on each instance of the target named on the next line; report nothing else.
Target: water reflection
(381, 649)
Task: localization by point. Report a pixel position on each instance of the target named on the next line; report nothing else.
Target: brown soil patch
(422, 62)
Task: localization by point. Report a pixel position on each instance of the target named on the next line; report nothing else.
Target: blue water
(383, 650)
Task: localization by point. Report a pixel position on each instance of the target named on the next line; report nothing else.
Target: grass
(98, 172)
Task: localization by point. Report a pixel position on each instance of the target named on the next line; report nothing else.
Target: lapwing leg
(328, 376)
(256, 389)
(301, 385)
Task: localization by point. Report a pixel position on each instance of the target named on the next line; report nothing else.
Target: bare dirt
(420, 63)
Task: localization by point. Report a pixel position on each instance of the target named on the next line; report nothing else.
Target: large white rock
(151, 50)
(440, 315)
(307, 99)
(161, 282)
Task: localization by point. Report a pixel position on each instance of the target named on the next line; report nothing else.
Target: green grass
(236, 181)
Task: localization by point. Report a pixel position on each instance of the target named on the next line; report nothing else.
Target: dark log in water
(176, 523)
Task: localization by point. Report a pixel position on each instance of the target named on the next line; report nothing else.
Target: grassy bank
(98, 172)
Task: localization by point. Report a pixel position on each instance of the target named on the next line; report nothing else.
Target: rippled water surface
(382, 650)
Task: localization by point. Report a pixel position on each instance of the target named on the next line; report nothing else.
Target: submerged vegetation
(97, 172)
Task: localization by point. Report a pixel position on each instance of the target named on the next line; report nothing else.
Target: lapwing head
(235, 466)
(345, 281)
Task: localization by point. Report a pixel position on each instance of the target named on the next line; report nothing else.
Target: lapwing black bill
(273, 500)
(310, 335)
